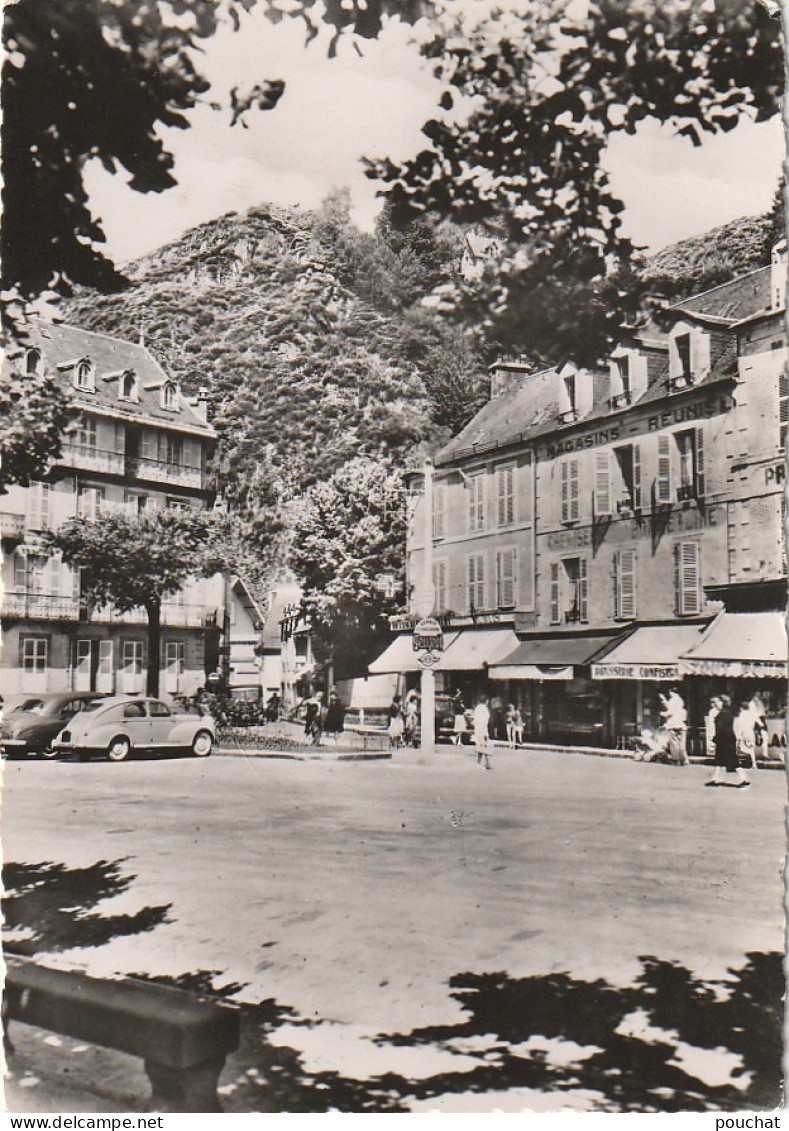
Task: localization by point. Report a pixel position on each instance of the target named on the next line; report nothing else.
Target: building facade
(601, 520)
(137, 443)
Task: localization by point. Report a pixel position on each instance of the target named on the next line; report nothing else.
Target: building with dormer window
(643, 506)
(135, 444)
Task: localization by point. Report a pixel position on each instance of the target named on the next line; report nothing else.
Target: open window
(569, 591)
(627, 485)
(689, 356)
(33, 362)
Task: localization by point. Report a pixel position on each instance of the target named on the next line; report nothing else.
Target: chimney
(202, 402)
(778, 275)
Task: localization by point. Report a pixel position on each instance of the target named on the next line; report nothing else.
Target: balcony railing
(686, 492)
(173, 616)
(39, 606)
(160, 471)
(12, 525)
(85, 457)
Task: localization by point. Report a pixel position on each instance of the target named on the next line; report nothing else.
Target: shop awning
(651, 652)
(551, 657)
(474, 648)
(399, 655)
(746, 645)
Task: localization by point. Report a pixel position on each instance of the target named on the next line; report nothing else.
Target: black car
(30, 722)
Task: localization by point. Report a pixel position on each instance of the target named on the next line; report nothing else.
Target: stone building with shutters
(137, 443)
(592, 525)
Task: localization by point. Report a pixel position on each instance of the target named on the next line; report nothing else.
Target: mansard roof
(729, 302)
(63, 347)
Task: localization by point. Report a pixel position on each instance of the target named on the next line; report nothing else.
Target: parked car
(120, 726)
(31, 722)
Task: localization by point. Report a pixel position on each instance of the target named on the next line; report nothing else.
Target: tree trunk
(154, 611)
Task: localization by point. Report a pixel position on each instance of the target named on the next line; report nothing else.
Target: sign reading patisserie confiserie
(636, 671)
(428, 636)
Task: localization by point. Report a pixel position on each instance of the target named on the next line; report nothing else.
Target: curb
(298, 756)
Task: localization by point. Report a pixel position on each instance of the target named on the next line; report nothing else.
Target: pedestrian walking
(517, 728)
(459, 725)
(726, 746)
(675, 721)
(482, 732)
(273, 707)
(396, 726)
(410, 718)
(745, 732)
(334, 723)
(313, 721)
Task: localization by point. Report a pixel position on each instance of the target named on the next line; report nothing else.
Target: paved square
(414, 936)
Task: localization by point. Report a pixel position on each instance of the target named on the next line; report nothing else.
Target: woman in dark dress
(335, 716)
(725, 745)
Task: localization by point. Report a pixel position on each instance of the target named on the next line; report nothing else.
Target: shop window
(34, 653)
(440, 510)
(687, 578)
(476, 502)
(571, 505)
(628, 464)
(506, 576)
(440, 585)
(569, 591)
(505, 495)
(625, 584)
(476, 582)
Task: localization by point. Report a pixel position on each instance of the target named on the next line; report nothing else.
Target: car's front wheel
(202, 744)
(49, 752)
(119, 749)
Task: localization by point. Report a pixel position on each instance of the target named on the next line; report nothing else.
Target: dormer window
(170, 396)
(33, 362)
(570, 411)
(689, 356)
(574, 392)
(622, 391)
(83, 378)
(127, 389)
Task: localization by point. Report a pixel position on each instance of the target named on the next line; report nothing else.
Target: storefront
(547, 678)
(744, 655)
(640, 668)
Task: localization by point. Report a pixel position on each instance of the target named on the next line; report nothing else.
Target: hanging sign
(428, 636)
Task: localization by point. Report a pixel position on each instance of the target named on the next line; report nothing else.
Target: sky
(335, 111)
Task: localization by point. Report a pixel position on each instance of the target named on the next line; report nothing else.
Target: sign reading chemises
(428, 641)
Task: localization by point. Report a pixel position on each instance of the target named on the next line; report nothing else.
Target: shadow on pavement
(47, 907)
(670, 1042)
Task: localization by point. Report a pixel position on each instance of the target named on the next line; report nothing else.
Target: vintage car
(125, 725)
(30, 722)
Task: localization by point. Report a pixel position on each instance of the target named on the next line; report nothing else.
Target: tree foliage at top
(34, 414)
(549, 90)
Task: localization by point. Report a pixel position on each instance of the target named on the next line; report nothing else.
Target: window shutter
(699, 464)
(626, 584)
(783, 405)
(565, 491)
(664, 470)
(555, 613)
(602, 484)
(583, 591)
(506, 507)
(636, 477)
(575, 509)
(688, 578)
(20, 571)
(38, 506)
(505, 581)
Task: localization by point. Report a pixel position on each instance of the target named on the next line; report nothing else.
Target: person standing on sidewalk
(675, 721)
(482, 731)
(726, 746)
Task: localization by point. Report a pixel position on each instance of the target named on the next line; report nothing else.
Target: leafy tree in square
(348, 552)
(137, 561)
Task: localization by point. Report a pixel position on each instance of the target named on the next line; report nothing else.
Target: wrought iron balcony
(86, 457)
(161, 471)
(686, 491)
(39, 606)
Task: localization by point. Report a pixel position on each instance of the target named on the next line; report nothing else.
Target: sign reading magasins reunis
(680, 414)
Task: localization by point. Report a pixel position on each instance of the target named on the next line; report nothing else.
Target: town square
(393, 439)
